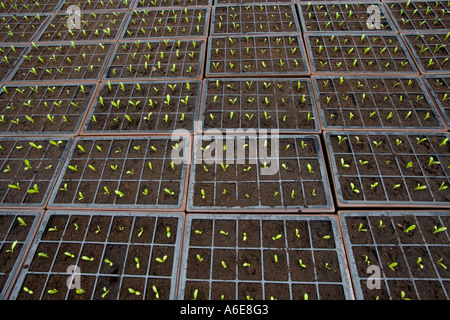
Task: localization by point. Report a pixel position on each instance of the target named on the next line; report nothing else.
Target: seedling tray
(406, 264)
(28, 171)
(256, 56)
(376, 103)
(97, 27)
(12, 230)
(20, 28)
(69, 62)
(167, 24)
(143, 107)
(252, 1)
(37, 109)
(119, 238)
(97, 5)
(386, 169)
(171, 3)
(343, 53)
(258, 173)
(254, 19)
(430, 51)
(238, 252)
(156, 59)
(439, 88)
(114, 173)
(24, 7)
(251, 103)
(417, 16)
(9, 55)
(343, 16)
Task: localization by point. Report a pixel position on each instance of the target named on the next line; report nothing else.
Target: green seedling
(277, 237)
(161, 260)
(35, 189)
(437, 230)
(419, 262)
(393, 265)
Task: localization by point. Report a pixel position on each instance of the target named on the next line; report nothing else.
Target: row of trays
(286, 105)
(109, 256)
(228, 173)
